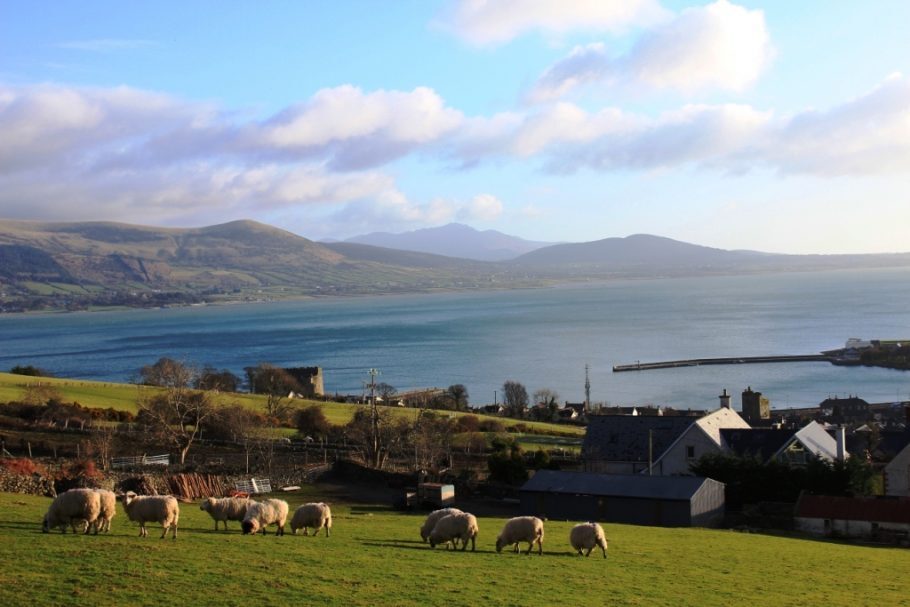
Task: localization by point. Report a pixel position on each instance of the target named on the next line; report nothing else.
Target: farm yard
(375, 557)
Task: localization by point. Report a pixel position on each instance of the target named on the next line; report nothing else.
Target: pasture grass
(124, 396)
(375, 557)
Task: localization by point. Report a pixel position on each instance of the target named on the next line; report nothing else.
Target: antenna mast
(587, 389)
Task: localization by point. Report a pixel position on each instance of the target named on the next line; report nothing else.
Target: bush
(30, 371)
(467, 423)
(492, 425)
(508, 466)
(311, 421)
(22, 467)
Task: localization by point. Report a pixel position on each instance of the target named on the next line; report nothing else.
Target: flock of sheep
(449, 525)
(93, 510)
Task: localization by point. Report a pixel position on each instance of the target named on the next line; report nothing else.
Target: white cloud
(486, 22)
(483, 207)
(120, 153)
(718, 46)
(362, 129)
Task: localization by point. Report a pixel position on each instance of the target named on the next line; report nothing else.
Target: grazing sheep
(74, 505)
(262, 514)
(521, 529)
(108, 509)
(585, 536)
(162, 509)
(226, 509)
(432, 518)
(316, 515)
(454, 527)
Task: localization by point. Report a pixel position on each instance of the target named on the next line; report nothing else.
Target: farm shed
(664, 501)
(883, 518)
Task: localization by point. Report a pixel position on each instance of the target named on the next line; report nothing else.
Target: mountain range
(454, 240)
(78, 265)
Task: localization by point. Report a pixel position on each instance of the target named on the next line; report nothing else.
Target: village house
(702, 437)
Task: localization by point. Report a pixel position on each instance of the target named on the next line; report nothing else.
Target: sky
(774, 126)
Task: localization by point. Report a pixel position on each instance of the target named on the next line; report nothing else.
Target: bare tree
(547, 403)
(167, 373)
(277, 385)
(175, 415)
(102, 446)
(515, 398)
(459, 395)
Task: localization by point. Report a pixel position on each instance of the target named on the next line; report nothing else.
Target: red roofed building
(882, 518)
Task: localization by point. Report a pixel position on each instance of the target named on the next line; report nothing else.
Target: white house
(700, 438)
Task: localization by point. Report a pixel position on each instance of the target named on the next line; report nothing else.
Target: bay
(542, 338)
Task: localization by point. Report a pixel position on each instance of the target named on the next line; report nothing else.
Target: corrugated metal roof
(882, 510)
(616, 485)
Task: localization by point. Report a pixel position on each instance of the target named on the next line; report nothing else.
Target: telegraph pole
(374, 418)
(587, 389)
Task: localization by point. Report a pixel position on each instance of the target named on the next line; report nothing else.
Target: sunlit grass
(375, 557)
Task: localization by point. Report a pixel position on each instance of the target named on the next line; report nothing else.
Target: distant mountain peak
(454, 240)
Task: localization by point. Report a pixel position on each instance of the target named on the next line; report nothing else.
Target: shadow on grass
(370, 509)
(416, 545)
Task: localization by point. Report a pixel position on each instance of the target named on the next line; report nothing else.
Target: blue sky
(777, 126)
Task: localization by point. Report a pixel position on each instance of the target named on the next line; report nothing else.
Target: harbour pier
(730, 360)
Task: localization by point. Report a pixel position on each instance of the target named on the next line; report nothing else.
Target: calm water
(542, 338)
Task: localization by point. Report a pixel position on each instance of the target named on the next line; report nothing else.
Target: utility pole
(587, 389)
(374, 418)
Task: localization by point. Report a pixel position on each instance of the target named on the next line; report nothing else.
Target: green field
(123, 397)
(375, 557)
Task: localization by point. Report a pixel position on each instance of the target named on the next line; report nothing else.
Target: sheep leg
(539, 547)
(473, 543)
(605, 551)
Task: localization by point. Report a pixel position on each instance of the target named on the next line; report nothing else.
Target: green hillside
(123, 397)
(375, 557)
(76, 265)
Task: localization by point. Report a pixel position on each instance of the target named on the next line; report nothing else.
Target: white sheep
(585, 536)
(317, 515)
(162, 509)
(432, 518)
(226, 509)
(262, 514)
(108, 509)
(521, 529)
(453, 527)
(82, 505)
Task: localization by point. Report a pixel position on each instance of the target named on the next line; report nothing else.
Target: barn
(635, 499)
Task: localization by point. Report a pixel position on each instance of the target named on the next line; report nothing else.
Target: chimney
(725, 400)
(840, 434)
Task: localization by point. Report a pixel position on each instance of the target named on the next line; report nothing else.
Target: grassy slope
(374, 557)
(123, 396)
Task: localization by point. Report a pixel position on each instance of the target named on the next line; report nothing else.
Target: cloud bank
(719, 46)
(121, 153)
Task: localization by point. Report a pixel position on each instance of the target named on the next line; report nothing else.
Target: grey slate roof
(624, 438)
(616, 485)
(760, 443)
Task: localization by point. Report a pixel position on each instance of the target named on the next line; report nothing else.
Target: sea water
(543, 338)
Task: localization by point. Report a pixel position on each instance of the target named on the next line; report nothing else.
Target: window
(690, 451)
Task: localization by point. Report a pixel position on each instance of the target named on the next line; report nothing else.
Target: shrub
(492, 425)
(311, 421)
(22, 466)
(467, 423)
(30, 370)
